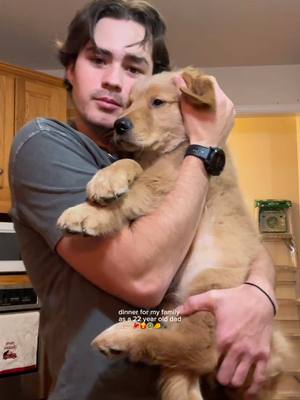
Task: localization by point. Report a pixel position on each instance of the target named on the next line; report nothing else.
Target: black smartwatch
(213, 157)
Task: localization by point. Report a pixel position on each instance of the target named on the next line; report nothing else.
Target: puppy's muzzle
(123, 126)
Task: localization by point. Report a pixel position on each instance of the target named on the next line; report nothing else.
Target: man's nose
(112, 78)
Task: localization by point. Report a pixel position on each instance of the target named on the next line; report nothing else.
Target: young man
(83, 282)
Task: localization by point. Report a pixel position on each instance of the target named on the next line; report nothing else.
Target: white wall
(59, 73)
(261, 88)
(258, 89)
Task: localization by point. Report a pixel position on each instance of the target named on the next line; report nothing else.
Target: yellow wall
(298, 154)
(266, 151)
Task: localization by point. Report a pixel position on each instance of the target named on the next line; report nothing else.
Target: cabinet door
(7, 87)
(36, 99)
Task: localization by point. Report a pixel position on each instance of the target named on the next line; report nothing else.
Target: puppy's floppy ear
(200, 89)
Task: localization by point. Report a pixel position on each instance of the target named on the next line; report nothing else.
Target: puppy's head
(152, 121)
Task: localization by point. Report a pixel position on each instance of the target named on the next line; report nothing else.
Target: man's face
(103, 77)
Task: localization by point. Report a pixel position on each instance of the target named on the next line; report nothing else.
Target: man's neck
(100, 135)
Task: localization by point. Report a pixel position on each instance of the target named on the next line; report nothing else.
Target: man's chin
(102, 123)
(105, 120)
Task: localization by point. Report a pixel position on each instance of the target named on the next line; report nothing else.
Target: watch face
(216, 162)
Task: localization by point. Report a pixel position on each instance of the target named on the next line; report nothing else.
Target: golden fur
(225, 243)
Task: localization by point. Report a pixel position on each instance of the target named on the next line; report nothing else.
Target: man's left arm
(244, 317)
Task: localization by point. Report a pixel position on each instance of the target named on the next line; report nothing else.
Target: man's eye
(157, 102)
(134, 70)
(98, 61)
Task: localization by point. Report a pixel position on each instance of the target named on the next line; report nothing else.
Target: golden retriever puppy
(151, 131)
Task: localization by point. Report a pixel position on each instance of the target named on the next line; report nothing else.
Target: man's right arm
(139, 263)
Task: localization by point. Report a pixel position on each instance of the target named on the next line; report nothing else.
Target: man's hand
(244, 329)
(206, 128)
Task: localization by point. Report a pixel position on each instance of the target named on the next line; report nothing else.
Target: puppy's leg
(188, 345)
(147, 192)
(112, 182)
(182, 385)
(94, 220)
(91, 220)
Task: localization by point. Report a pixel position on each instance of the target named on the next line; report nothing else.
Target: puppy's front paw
(111, 183)
(117, 341)
(105, 188)
(88, 220)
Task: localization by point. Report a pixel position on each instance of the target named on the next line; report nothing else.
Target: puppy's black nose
(123, 125)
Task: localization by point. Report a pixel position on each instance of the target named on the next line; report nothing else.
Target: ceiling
(209, 33)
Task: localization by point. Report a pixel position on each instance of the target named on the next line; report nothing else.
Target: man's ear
(70, 73)
(200, 89)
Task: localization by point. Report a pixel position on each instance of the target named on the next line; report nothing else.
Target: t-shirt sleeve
(49, 170)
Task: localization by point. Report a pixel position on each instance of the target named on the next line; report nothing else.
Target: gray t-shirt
(50, 165)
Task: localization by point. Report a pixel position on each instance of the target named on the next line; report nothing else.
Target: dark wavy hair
(81, 29)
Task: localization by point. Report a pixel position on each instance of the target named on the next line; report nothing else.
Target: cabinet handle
(1, 171)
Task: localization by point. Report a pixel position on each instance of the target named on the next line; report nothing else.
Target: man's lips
(108, 103)
(109, 100)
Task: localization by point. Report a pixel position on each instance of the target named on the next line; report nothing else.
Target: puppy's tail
(181, 385)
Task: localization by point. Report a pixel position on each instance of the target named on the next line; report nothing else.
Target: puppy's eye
(157, 102)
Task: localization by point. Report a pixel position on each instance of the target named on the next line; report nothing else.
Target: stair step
(289, 384)
(287, 396)
(293, 334)
(288, 310)
(288, 387)
(285, 273)
(286, 291)
(289, 328)
(280, 253)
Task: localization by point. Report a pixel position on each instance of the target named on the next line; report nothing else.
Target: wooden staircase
(288, 316)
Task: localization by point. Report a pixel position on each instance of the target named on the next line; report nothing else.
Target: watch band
(198, 151)
(213, 157)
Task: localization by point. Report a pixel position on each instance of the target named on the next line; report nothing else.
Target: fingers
(199, 302)
(235, 369)
(228, 367)
(241, 372)
(210, 129)
(259, 378)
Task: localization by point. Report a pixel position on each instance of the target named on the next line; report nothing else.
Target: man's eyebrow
(137, 59)
(99, 50)
(129, 56)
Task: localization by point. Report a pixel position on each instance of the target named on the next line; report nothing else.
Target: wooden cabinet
(24, 95)
(6, 136)
(36, 99)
